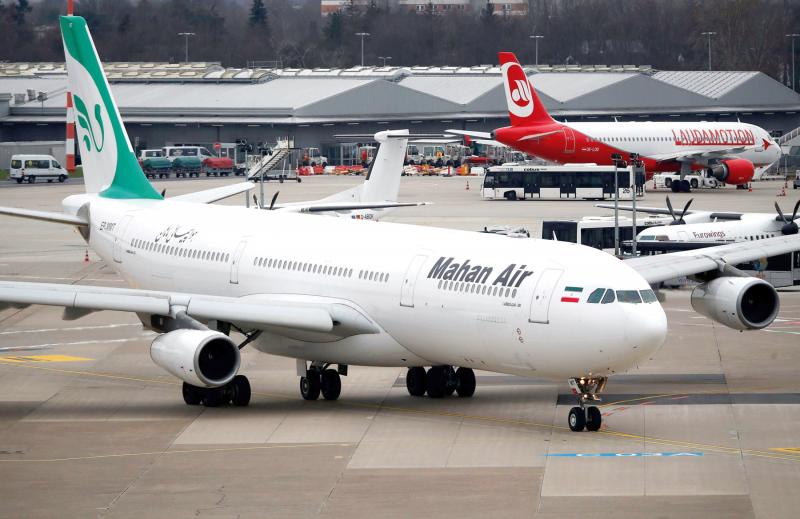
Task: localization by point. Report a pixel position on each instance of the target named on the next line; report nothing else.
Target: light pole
(385, 59)
(363, 35)
(186, 47)
(709, 34)
(793, 36)
(617, 159)
(536, 38)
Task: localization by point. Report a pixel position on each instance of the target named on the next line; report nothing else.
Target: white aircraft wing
(258, 311)
(45, 216)
(209, 196)
(662, 267)
(665, 211)
(321, 207)
(698, 155)
(469, 133)
(489, 142)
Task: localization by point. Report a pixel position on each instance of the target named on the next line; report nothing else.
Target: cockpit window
(648, 296)
(596, 295)
(647, 237)
(629, 296)
(609, 297)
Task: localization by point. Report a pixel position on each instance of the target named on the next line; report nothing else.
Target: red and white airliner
(730, 151)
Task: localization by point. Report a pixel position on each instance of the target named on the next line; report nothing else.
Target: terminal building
(203, 103)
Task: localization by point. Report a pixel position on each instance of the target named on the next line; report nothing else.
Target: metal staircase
(270, 162)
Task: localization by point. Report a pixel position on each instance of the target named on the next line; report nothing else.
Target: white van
(30, 167)
(173, 152)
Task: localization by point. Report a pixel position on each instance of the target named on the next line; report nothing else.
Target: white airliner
(696, 229)
(331, 292)
(731, 151)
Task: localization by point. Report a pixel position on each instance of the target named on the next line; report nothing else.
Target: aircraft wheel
(450, 380)
(331, 384)
(435, 382)
(214, 397)
(577, 419)
(241, 391)
(466, 382)
(686, 187)
(593, 419)
(415, 381)
(310, 385)
(192, 395)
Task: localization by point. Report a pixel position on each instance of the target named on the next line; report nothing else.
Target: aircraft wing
(698, 155)
(469, 133)
(662, 267)
(208, 196)
(45, 216)
(639, 209)
(321, 207)
(257, 311)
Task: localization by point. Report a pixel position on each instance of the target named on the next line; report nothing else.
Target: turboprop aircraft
(729, 151)
(698, 229)
(334, 292)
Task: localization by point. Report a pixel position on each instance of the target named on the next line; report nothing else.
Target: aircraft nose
(646, 328)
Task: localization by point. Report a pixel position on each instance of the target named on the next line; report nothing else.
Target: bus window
(596, 295)
(564, 231)
(608, 298)
(628, 296)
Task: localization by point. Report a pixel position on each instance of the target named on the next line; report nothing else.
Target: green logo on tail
(86, 124)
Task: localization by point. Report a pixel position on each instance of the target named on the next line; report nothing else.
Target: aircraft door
(569, 140)
(237, 257)
(119, 237)
(542, 296)
(410, 281)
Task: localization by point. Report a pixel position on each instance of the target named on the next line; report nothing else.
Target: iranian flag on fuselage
(571, 294)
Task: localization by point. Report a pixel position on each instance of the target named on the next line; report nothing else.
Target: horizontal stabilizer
(470, 133)
(389, 135)
(44, 216)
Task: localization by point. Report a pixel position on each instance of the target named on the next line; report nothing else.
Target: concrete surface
(89, 426)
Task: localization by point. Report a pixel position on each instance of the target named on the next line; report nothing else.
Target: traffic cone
(86, 256)
(750, 187)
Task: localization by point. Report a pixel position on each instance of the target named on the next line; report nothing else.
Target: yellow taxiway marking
(769, 454)
(180, 451)
(790, 450)
(42, 358)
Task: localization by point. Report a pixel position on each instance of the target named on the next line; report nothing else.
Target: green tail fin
(110, 166)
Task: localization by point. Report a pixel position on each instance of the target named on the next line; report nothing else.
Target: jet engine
(741, 303)
(202, 358)
(733, 171)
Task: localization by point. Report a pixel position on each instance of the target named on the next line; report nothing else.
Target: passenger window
(596, 295)
(628, 296)
(608, 297)
(648, 296)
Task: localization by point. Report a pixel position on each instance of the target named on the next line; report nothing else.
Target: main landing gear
(236, 392)
(321, 379)
(587, 389)
(440, 381)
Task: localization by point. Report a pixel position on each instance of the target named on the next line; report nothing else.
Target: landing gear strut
(587, 389)
(440, 381)
(322, 380)
(236, 392)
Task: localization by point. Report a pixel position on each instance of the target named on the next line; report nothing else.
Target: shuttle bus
(576, 181)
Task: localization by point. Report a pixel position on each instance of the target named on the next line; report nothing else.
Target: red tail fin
(524, 106)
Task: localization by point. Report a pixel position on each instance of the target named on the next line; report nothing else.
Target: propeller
(790, 225)
(676, 220)
(255, 201)
(272, 202)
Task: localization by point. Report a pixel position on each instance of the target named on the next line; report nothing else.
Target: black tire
(466, 382)
(415, 381)
(686, 187)
(435, 382)
(214, 397)
(693, 183)
(675, 186)
(19, 181)
(331, 384)
(577, 419)
(31, 180)
(192, 395)
(49, 180)
(668, 182)
(241, 391)
(62, 178)
(310, 385)
(450, 380)
(511, 195)
(593, 419)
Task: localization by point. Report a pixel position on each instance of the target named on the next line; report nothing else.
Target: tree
(258, 13)
(21, 8)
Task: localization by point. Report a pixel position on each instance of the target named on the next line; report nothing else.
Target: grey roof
(201, 92)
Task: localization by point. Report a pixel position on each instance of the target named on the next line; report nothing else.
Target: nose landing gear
(587, 390)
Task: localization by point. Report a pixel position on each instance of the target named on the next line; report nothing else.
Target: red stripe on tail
(524, 106)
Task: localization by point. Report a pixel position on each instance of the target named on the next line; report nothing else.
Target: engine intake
(733, 171)
(199, 357)
(741, 303)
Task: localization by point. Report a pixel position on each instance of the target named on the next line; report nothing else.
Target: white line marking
(68, 329)
(80, 343)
